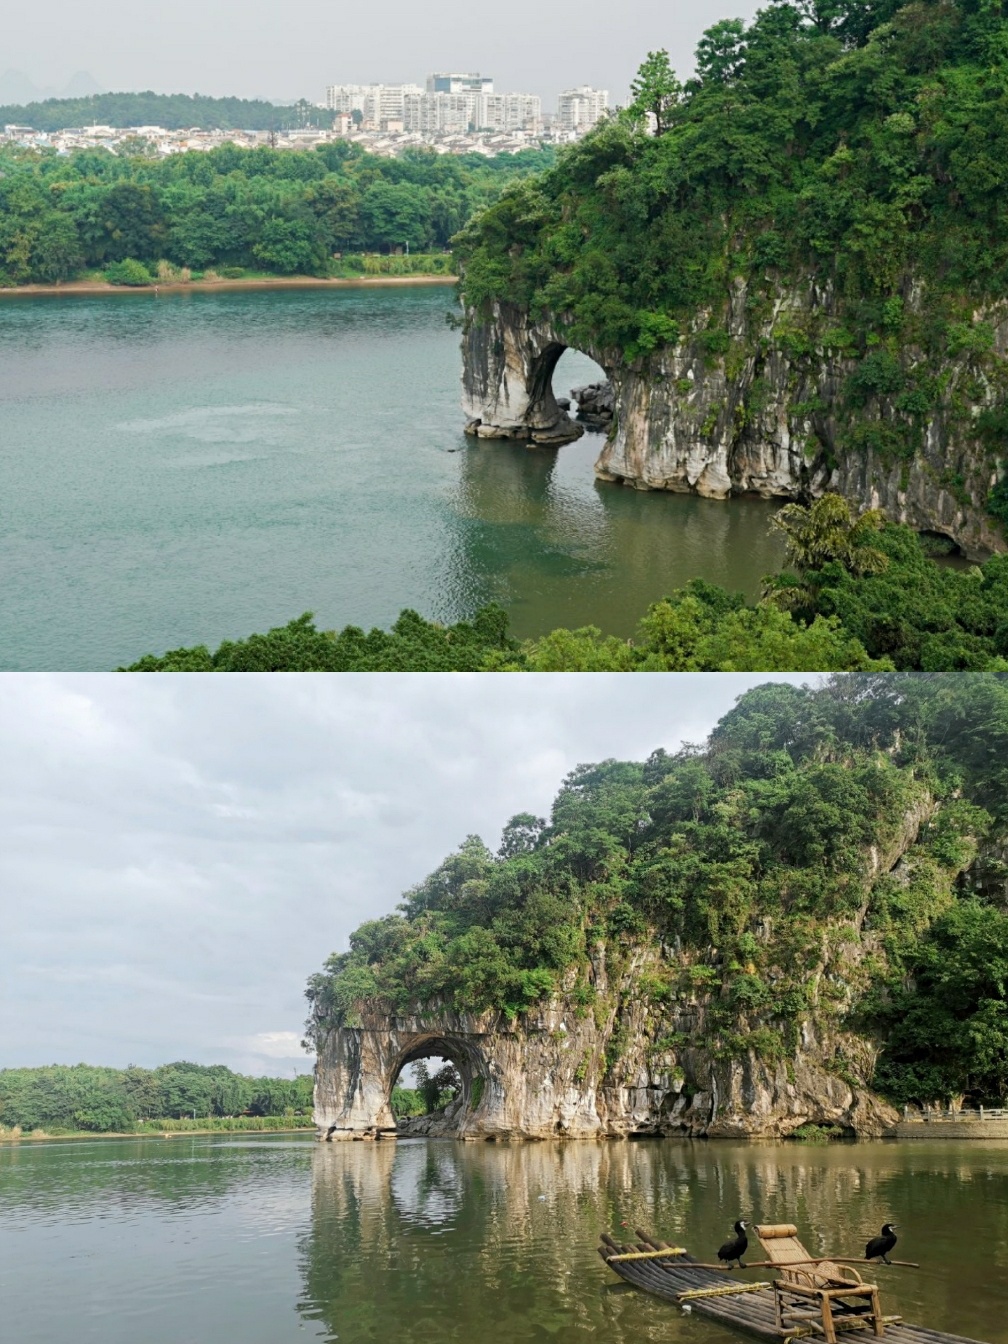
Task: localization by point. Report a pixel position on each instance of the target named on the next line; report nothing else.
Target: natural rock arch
(359, 1065)
(761, 422)
(507, 376)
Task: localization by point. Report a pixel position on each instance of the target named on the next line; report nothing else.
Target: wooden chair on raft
(817, 1293)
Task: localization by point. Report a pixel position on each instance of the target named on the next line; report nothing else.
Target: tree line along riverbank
(134, 220)
(857, 594)
(59, 1100)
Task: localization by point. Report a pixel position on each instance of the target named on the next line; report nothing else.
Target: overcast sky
(255, 48)
(178, 854)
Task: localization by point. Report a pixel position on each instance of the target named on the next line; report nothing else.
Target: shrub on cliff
(806, 863)
(412, 645)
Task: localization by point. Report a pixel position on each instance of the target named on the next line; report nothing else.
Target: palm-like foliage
(827, 531)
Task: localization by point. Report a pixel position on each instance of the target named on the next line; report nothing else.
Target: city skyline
(240, 52)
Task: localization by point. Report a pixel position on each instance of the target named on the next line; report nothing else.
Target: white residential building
(579, 109)
(455, 83)
(378, 104)
(455, 113)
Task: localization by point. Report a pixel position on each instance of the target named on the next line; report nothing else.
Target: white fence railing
(950, 1116)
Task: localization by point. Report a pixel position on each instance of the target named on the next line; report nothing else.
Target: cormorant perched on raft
(736, 1249)
(882, 1245)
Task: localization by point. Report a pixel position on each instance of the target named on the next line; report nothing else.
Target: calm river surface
(189, 467)
(278, 1239)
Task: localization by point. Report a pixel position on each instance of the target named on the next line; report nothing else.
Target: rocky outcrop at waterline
(555, 1075)
(766, 408)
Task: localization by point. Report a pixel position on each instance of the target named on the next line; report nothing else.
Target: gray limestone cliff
(766, 410)
(559, 1073)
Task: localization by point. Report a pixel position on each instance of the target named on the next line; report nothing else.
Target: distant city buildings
(450, 104)
(578, 110)
(452, 113)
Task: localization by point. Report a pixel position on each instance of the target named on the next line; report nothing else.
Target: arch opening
(583, 390)
(450, 1074)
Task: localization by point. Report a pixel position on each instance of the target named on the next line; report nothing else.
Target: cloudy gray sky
(258, 47)
(178, 854)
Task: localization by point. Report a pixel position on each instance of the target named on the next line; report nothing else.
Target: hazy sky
(178, 854)
(250, 47)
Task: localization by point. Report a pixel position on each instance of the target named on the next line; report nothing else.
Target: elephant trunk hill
(803, 922)
(792, 268)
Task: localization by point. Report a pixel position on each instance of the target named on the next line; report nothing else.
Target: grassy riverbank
(168, 1128)
(98, 286)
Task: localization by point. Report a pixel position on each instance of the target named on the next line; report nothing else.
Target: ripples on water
(273, 1240)
(198, 466)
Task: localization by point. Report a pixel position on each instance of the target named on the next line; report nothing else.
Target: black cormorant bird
(735, 1249)
(881, 1245)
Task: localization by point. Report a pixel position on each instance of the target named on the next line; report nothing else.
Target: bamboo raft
(670, 1272)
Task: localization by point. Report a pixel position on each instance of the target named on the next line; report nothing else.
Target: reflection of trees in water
(461, 1241)
(124, 1176)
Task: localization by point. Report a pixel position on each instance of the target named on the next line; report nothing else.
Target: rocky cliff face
(766, 413)
(561, 1074)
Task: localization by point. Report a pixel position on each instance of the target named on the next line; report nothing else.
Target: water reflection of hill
(539, 534)
(455, 1242)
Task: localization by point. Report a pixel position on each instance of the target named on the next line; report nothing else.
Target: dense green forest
(277, 211)
(863, 139)
(858, 594)
(100, 1100)
(173, 111)
(748, 860)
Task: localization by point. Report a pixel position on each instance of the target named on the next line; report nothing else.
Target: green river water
(274, 1240)
(189, 467)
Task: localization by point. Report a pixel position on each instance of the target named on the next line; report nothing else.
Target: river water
(272, 1240)
(189, 467)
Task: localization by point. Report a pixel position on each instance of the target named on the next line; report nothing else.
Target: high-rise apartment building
(468, 83)
(378, 104)
(451, 104)
(579, 109)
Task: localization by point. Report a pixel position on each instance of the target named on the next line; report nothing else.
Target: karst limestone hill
(803, 920)
(792, 268)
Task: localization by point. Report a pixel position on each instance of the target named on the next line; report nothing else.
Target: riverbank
(68, 287)
(43, 1136)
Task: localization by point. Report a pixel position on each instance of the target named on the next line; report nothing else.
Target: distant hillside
(174, 111)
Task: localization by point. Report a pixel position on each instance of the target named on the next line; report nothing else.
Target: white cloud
(276, 1044)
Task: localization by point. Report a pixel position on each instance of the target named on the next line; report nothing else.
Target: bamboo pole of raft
(769, 1264)
(791, 1264)
(648, 1255)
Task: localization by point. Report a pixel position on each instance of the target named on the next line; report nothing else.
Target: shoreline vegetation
(166, 1129)
(132, 219)
(64, 1101)
(69, 287)
(858, 594)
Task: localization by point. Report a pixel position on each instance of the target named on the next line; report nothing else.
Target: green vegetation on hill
(767, 859)
(845, 156)
(81, 1097)
(860, 595)
(864, 139)
(273, 211)
(173, 111)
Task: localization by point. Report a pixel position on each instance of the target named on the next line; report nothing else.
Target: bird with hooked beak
(880, 1246)
(735, 1249)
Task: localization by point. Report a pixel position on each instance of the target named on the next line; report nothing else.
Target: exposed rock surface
(553, 1075)
(757, 418)
(595, 404)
